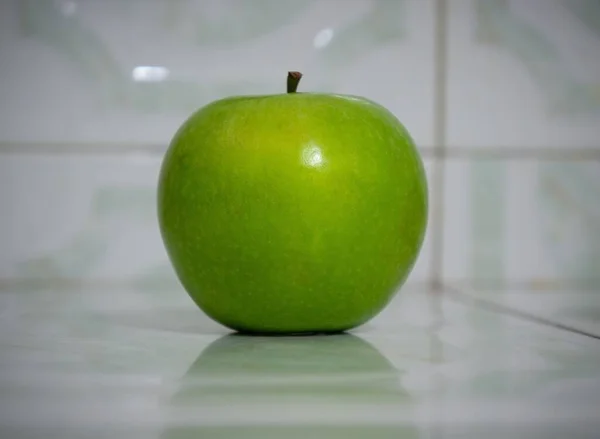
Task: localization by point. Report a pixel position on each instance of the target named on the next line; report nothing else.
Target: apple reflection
(291, 385)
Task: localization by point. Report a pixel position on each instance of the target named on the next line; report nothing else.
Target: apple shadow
(243, 333)
(290, 385)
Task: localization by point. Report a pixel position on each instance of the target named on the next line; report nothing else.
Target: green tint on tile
(79, 45)
(293, 432)
(588, 11)
(523, 74)
(530, 223)
(261, 369)
(501, 23)
(383, 23)
(233, 22)
(569, 204)
(79, 218)
(487, 187)
(84, 253)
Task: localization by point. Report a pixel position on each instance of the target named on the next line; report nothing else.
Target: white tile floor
(121, 363)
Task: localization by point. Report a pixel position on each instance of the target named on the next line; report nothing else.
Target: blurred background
(502, 97)
(98, 338)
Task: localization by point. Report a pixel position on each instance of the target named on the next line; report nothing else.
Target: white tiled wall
(524, 73)
(523, 76)
(115, 72)
(535, 223)
(79, 216)
(82, 78)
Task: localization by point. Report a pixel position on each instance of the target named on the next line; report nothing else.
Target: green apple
(293, 212)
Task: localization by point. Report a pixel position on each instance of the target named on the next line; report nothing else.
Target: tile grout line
(89, 149)
(459, 296)
(451, 292)
(449, 152)
(439, 133)
(78, 283)
(522, 153)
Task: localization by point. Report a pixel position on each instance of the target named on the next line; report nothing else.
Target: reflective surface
(576, 310)
(109, 362)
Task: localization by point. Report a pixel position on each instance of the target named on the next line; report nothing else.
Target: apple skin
(292, 213)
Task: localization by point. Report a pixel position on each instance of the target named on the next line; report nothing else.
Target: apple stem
(293, 80)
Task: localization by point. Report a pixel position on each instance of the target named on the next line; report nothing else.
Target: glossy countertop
(116, 362)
